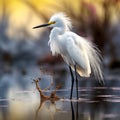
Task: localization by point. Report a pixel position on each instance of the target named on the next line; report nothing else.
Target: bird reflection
(72, 109)
(74, 112)
(77, 110)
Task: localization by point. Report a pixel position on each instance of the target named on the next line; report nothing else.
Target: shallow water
(19, 99)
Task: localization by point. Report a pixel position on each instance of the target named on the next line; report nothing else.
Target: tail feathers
(96, 63)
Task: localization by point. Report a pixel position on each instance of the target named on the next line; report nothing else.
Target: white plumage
(73, 48)
(79, 53)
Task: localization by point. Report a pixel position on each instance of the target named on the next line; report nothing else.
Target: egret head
(58, 20)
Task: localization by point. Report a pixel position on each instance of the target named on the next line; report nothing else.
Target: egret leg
(76, 81)
(72, 77)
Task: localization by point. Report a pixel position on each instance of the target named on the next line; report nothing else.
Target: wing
(79, 57)
(94, 57)
(86, 56)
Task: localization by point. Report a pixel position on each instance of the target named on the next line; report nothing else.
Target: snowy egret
(79, 53)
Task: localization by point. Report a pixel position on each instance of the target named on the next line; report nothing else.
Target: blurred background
(98, 21)
(25, 55)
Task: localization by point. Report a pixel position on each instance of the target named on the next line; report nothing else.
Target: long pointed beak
(43, 25)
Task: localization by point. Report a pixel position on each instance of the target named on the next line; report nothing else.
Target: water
(20, 100)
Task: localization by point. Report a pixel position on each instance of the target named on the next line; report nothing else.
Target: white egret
(79, 53)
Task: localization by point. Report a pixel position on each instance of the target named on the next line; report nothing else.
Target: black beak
(43, 25)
